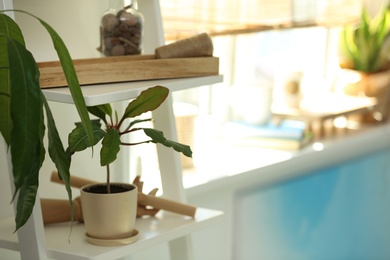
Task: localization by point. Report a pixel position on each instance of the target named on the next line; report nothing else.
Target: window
(254, 46)
(251, 56)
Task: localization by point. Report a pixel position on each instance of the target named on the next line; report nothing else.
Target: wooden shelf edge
(113, 92)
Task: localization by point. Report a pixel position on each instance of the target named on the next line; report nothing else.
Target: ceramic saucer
(113, 242)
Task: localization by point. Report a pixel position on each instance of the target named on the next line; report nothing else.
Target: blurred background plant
(365, 47)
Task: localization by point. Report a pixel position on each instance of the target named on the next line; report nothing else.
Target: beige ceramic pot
(109, 216)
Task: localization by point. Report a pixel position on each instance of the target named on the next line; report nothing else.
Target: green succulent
(366, 46)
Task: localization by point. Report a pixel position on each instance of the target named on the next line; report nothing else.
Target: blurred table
(322, 107)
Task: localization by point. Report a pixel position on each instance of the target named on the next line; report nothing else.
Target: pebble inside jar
(121, 31)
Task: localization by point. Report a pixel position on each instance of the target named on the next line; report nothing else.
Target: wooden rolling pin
(56, 211)
(143, 199)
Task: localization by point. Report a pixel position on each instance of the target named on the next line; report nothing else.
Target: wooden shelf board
(127, 68)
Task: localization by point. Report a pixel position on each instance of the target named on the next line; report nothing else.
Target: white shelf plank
(153, 231)
(108, 93)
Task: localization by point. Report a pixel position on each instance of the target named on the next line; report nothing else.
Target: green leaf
(57, 152)
(381, 26)
(70, 75)
(93, 121)
(78, 141)
(27, 131)
(362, 38)
(148, 100)
(28, 190)
(8, 28)
(5, 92)
(21, 103)
(26, 107)
(158, 137)
(365, 24)
(101, 111)
(20, 86)
(138, 121)
(111, 147)
(71, 78)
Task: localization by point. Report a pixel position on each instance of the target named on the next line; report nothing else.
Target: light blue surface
(341, 212)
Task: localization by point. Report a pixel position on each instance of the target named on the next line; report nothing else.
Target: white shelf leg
(31, 236)
(169, 161)
(171, 174)
(153, 28)
(181, 248)
(7, 5)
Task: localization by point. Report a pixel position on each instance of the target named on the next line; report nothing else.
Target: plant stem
(108, 179)
(130, 144)
(121, 122)
(130, 130)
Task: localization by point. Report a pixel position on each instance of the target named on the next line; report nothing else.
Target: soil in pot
(114, 188)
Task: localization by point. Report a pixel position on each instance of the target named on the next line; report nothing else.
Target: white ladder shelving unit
(34, 241)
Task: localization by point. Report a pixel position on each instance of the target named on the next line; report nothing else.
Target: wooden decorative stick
(56, 211)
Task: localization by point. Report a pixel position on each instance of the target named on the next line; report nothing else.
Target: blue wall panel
(341, 212)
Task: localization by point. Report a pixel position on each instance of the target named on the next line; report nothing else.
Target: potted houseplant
(110, 129)
(365, 50)
(23, 109)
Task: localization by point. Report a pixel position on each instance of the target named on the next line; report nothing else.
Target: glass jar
(121, 29)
